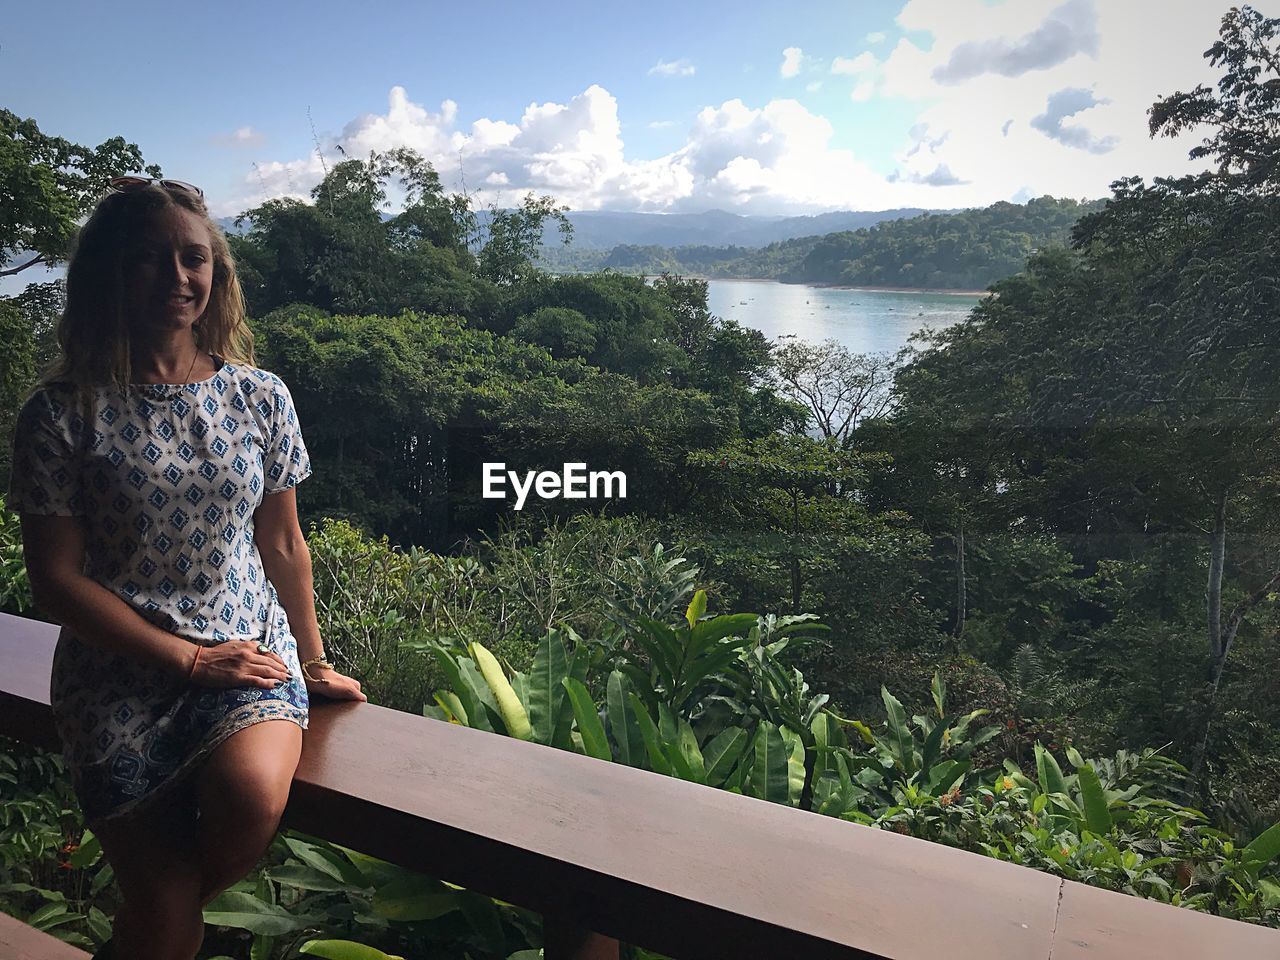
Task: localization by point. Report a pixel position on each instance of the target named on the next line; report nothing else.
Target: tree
(48, 184)
(840, 388)
(345, 252)
(510, 251)
(1244, 114)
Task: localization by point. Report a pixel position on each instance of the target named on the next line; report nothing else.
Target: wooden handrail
(675, 867)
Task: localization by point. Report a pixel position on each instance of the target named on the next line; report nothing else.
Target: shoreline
(947, 291)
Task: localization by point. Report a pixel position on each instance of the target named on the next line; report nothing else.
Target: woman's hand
(334, 685)
(238, 663)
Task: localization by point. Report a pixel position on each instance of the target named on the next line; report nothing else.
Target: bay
(865, 321)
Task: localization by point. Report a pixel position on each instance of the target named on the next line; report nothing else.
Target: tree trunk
(1213, 590)
(795, 553)
(1219, 644)
(961, 586)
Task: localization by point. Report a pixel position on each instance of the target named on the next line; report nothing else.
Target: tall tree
(47, 185)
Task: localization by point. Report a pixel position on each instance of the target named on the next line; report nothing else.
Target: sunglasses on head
(127, 183)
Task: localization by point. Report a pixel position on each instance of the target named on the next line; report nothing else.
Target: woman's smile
(170, 272)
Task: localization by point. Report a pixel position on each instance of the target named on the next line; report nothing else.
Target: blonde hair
(94, 332)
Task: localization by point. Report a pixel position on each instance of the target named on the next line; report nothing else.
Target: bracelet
(319, 661)
(194, 661)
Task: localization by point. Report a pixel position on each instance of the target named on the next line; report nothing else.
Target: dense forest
(1014, 590)
(968, 250)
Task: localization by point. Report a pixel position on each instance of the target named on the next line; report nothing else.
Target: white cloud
(987, 76)
(661, 124)
(792, 61)
(674, 68)
(241, 137)
(876, 37)
(974, 141)
(864, 62)
(813, 87)
(862, 91)
(777, 158)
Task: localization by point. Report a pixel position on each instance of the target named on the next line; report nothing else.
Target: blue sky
(756, 107)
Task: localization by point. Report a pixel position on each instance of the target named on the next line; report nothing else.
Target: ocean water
(865, 321)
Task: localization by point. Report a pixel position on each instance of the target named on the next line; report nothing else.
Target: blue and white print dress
(166, 479)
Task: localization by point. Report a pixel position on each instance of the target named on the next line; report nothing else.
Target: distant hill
(605, 229)
(969, 249)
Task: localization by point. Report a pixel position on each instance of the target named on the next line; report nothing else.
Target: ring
(263, 648)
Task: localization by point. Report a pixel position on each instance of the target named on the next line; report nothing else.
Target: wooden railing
(607, 852)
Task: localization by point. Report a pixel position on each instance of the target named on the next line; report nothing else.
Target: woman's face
(169, 272)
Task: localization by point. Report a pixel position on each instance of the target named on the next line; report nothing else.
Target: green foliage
(1244, 133)
(342, 253)
(513, 238)
(15, 588)
(375, 603)
(49, 185)
(52, 875)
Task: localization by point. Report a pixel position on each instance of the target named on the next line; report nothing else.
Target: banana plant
(927, 759)
(533, 706)
(677, 665)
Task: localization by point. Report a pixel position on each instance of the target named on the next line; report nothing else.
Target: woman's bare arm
(286, 560)
(53, 548)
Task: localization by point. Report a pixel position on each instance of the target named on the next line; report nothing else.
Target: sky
(751, 107)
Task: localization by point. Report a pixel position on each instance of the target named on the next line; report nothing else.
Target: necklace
(150, 393)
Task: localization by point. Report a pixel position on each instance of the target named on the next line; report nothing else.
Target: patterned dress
(166, 479)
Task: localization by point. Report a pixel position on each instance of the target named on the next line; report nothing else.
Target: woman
(154, 470)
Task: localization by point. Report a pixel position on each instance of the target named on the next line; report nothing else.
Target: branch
(30, 263)
(1242, 608)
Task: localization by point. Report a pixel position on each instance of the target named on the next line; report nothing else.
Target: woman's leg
(153, 854)
(243, 787)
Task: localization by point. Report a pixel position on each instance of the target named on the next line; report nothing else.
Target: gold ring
(263, 648)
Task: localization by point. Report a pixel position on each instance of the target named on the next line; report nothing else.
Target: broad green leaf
(649, 734)
(594, 742)
(486, 715)
(939, 689)
(697, 607)
(864, 732)
(415, 898)
(244, 911)
(512, 710)
(901, 742)
(795, 764)
(1096, 813)
(324, 861)
(462, 688)
(626, 733)
(546, 692)
(1262, 850)
(722, 753)
(933, 743)
(451, 703)
(87, 854)
(691, 757)
(304, 877)
(344, 950)
(943, 776)
(1048, 771)
(769, 772)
